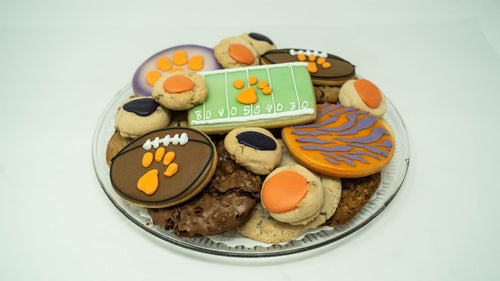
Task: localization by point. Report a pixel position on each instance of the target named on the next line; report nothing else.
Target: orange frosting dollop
(283, 191)
(178, 84)
(368, 92)
(241, 54)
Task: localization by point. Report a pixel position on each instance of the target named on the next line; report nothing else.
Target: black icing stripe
(256, 140)
(141, 107)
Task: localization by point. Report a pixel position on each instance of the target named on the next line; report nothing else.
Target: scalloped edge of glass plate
(393, 177)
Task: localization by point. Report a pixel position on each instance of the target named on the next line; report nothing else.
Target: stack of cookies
(250, 138)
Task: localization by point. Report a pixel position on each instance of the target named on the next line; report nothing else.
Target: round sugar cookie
(185, 57)
(164, 167)
(253, 148)
(235, 52)
(180, 90)
(342, 142)
(365, 95)
(140, 115)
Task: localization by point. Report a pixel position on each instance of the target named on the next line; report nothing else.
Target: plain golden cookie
(261, 42)
(364, 95)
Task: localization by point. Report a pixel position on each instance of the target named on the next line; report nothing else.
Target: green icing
(292, 95)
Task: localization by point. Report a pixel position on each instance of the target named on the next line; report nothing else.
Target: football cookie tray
(232, 243)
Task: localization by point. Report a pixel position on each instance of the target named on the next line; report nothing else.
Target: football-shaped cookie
(164, 168)
(325, 69)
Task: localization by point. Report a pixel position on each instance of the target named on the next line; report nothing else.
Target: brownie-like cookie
(115, 144)
(224, 203)
(356, 192)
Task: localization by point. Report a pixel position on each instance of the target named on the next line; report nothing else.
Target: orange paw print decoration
(249, 95)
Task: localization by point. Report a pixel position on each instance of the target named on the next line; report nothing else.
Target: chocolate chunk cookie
(225, 203)
(356, 192)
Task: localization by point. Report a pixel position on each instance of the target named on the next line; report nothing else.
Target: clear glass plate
(392, 179)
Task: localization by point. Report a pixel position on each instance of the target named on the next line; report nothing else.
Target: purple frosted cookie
(183, 57)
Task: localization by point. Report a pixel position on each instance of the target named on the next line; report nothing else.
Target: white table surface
(63, 61)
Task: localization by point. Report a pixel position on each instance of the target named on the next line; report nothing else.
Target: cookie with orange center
(365, 95)
(235, 52)
(344, 142)
(290, 205)
(180, 90)
(183, 57)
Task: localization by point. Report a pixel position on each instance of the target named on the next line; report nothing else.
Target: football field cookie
(268, 96)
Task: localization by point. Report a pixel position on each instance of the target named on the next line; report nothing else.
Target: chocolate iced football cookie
(163, 168)
(325, 69)
(225, 203)
(356, 192)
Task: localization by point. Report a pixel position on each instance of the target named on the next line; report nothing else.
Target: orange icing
(312, 57)
(159, 153)
(238, 84)
(169, 157)
(316, 160)
(241, 54)
(262, 84)
(326, 65)
(284, 191)
(311, 67)
(147, 159)
(301, 57)
(171, 170)
(163, 64)
(320, 60)
(152, 77)
(178, 84)
(267, 90)
(148, 183)
(252, 80)
(196, 63)
(176, 69)
(247, 96)
(368, 92)
(180, 57)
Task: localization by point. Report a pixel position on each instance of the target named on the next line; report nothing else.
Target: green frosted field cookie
(267, 96)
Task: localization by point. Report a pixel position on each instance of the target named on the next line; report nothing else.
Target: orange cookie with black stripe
(344, 141)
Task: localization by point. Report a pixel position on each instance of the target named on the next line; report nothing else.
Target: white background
(63, 61)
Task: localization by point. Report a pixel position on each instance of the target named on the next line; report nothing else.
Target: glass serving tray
(233, 244)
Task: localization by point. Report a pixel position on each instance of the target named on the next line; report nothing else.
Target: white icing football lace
(166, 141)
(308, 53)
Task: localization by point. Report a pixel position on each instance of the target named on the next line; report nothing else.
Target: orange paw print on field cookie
(313, 59)
(148, 183)
(249, 95)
